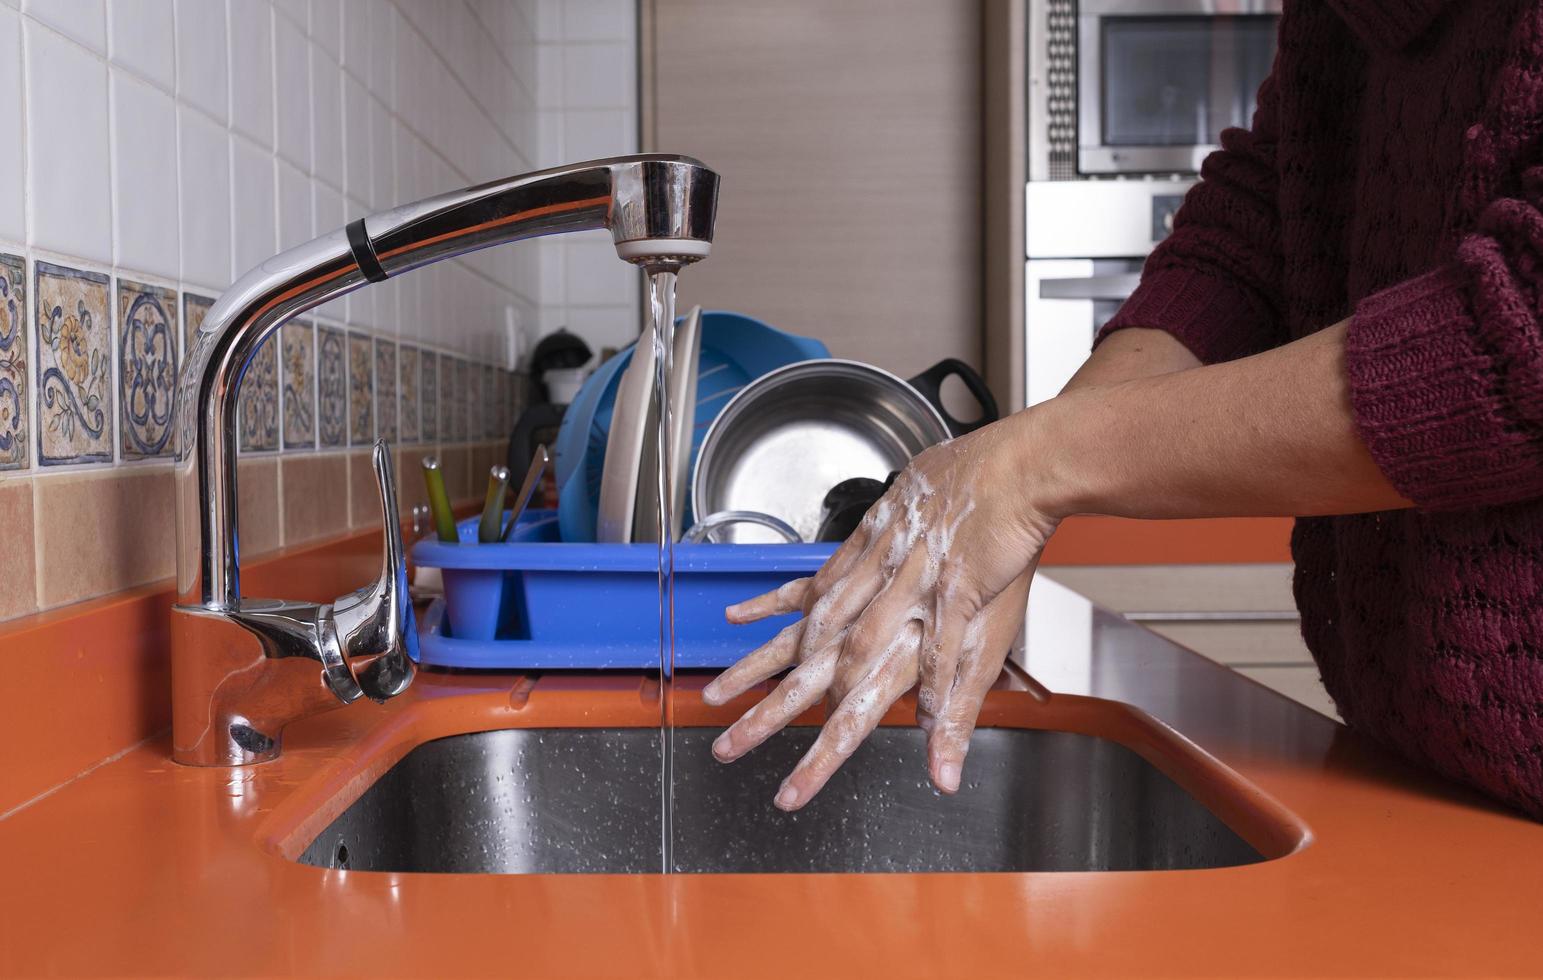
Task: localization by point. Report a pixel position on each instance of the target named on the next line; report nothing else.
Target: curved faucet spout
(659, 209)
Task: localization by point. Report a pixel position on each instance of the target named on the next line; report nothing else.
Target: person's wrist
(1052, 486)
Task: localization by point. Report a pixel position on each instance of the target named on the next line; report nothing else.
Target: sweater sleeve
(1446, 369)
(1214, 283)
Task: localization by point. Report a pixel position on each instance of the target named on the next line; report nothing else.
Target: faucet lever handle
(376, 627)
(393, 564)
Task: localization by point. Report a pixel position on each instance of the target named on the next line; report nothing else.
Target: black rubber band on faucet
(364, 252)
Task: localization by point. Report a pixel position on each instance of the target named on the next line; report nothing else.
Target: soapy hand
(930, 587)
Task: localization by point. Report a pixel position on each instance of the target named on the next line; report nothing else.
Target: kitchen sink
(522, 801)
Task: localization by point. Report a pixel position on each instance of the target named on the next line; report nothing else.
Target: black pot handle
(930, 384)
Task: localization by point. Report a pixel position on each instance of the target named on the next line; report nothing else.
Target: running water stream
(661, 313)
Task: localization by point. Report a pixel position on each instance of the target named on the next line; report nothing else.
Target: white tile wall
(12, 181)
(204, 167)
(83, 20)
(203, 70)
(586, 93)
(187, 140)
(296, 226)
(292, 92)
(251, 70)
(252, 216)
(181, 142)
(326, 18)
(144, 146)
(67, 145)
(143, 39)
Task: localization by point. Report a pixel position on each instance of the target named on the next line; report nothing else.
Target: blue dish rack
(535, 603)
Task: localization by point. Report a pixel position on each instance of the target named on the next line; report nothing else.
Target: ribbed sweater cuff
(1214, 318)
(1426, 398)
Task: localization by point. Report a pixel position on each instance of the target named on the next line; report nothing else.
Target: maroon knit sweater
(1394, 172)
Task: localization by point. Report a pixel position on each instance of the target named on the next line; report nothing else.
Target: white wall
(187, 141)
(587, 101)
(164, 147)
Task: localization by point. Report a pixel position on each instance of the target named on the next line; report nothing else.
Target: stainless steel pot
(789, 436)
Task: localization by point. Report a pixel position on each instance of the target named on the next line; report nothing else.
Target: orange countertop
(144, 867)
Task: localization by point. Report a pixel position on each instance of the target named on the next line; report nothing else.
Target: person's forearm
(1129, 354)
(1270, 434)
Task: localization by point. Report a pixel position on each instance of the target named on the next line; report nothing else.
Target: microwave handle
(1115, 288)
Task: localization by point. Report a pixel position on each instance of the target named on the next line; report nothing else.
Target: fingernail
(948, 777)
(721, 746)
(710, 693)
(787, 797)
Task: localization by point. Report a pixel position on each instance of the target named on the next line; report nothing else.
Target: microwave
(1138, 87)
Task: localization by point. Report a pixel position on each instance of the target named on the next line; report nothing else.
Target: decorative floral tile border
(74, 365)
(106, 353)
(194, 309)
(361, 390)
(460, 429)
(385, 390)
(259, 399)
(430, 396)
(14, 391)
(410, 423)
(298, 372)
(147, 369)
(331, 387)
(487, 425)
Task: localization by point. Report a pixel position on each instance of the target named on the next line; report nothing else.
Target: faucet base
(231, 697)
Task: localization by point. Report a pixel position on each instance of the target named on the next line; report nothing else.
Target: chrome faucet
(243, 669)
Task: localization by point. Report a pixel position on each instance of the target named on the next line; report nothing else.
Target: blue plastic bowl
(736, 349)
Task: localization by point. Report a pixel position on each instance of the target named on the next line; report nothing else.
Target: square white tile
(298, 11)
(356, 37)
(589, 134)
(13, 220)
(596, 277)
(598, 76)
(553, 265)
(383, 28)
(67, 147)
(144, 40)
(383, 130)
(146, 221)
(356, 139)
(546, 18)
(326, 118)
(599, 20)
(203, 76)
(204, 165)
(295, 224)
(83, 20)
(252, 206)
(550, 74)
(326, 25)
(251, 70)
(292, 93)
(550, 150)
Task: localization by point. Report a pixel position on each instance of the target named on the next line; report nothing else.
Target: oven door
(1158, 80)
(1066, 302)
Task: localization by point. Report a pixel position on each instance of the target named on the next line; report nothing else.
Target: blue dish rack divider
(535, 603)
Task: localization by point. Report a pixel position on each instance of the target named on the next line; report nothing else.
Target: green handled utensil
(493, 506)
(439, 500)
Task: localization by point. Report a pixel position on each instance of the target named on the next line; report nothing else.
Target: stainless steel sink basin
(587, 800)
